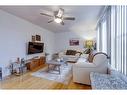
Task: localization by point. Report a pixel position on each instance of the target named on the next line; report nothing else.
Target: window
(119, 38)
(98, 39)
(113, 29)
(112, 35)
(104, 36)
(102, 32)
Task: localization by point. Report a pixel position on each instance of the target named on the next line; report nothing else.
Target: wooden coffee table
(54, 65)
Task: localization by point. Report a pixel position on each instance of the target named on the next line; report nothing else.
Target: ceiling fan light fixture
(58, 20)
(58, 16)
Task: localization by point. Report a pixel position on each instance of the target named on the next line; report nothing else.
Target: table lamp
(89, 44)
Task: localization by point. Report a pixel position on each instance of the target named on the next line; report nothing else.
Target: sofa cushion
(82, 60)
(70, 52)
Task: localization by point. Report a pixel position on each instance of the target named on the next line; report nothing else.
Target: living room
(23, 24)
(15, 42)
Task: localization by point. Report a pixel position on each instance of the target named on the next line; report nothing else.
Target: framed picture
(38, 38)
(74, 42)
(33, 38)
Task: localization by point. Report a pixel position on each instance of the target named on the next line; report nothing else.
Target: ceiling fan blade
(60, 12)
(62, 23)
(46, 14)
(69, 18)
(50, 21)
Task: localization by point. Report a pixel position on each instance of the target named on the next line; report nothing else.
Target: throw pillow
(70, 52)
(90, 57)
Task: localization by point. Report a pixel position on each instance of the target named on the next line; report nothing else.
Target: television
(35, 47)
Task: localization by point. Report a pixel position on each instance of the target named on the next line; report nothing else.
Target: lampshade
(89, 43)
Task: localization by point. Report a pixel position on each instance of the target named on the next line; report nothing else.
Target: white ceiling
(86, 16)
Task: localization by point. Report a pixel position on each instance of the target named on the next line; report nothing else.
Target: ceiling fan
(58, 16)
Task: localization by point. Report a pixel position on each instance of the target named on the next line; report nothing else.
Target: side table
(17, 66)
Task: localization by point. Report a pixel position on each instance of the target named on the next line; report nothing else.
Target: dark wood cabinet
(36, 63)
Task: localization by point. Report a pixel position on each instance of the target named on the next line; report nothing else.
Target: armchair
(82, 70)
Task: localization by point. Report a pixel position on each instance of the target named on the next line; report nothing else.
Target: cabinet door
(36, 63)
(32, 65)
(42, 60)
(28, 65)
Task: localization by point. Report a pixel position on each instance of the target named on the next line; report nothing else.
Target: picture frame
(33, 38)
(38, 38)
(74, 42)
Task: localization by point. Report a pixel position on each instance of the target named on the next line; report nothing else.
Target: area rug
(64, 76)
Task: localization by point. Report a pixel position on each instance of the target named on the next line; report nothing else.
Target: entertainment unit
(36, 63)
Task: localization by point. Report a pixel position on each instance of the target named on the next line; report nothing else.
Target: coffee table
(55, 65)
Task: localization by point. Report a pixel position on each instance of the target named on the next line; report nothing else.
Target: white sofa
(83, 68)
(69, 58)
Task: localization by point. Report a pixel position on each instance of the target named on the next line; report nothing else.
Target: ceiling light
(58, 20)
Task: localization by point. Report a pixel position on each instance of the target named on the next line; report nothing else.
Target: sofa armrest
(61, 54)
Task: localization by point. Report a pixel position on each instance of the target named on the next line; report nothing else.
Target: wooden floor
(26, 81)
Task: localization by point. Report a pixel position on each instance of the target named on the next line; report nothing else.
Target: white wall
(62, 39)
(15, 33)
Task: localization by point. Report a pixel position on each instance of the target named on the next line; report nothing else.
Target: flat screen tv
(35, 47)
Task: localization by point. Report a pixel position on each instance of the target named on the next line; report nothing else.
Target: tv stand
(36, 63)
